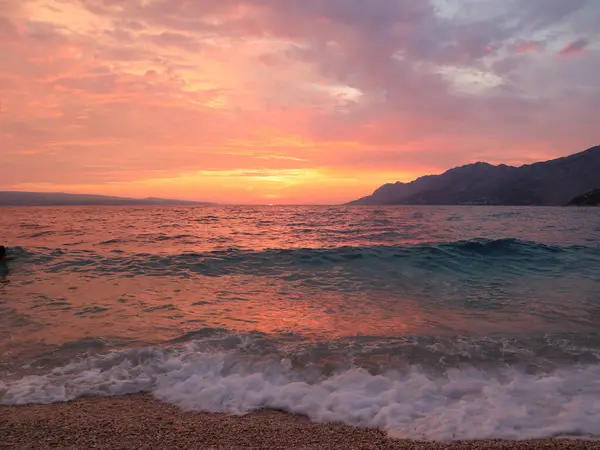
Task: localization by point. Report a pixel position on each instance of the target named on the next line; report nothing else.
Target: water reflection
(193, 229)
(4, 272)
(96, 278)
(113, 311)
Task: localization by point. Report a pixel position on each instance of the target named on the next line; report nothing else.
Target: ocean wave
(479, 256)
(40, 234)
(458, 403)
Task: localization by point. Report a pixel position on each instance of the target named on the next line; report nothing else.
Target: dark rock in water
(549, 183)
(591, 198)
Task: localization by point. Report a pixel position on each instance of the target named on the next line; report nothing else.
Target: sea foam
(459, 403)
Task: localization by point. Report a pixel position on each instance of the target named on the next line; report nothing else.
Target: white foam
(460, 404)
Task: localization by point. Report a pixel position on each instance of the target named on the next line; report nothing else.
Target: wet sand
(141, 422)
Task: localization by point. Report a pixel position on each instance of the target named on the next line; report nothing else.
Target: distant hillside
(548, 183)
(16, 198)
(591, 198)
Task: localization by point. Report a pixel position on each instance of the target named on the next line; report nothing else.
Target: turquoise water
(429, 322)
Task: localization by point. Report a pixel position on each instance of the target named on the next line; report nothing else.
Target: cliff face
(591, 198)
(547, 183)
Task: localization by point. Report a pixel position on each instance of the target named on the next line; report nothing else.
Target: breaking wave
(457, 403)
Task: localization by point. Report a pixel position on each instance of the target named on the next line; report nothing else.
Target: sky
(287, 101)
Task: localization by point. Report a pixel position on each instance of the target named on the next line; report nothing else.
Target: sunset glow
(281, 101)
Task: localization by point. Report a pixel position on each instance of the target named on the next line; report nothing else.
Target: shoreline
(142, 422)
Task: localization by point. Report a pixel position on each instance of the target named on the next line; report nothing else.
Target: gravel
(141, 422)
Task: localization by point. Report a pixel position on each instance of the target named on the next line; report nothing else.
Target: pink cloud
(155, 94)
(527, 47)
(578, 47)
(8, 31)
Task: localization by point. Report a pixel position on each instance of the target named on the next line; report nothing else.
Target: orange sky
(284, 101)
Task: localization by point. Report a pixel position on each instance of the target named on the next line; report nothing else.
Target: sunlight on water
(433, 296)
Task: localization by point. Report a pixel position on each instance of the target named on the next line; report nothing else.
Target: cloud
(527, 47)
(178, 91)
(8, 32)
(577, 47)
(179, 40)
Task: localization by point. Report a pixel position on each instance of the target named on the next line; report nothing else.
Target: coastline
(142, 422)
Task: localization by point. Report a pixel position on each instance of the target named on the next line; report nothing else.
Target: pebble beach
(142, 422)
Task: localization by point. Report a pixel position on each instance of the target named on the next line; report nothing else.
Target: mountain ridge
(23, 198)
(591, 198)
(545, 183)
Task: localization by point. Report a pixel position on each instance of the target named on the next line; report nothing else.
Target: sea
(432, 323)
